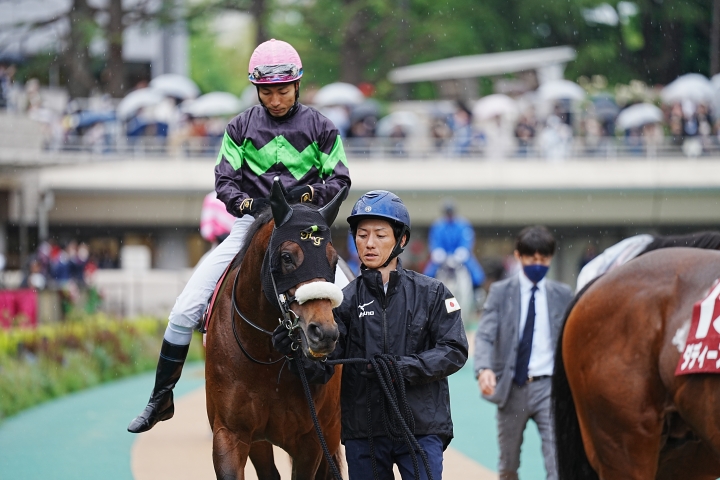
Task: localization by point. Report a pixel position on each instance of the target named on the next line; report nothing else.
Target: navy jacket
(417, 322)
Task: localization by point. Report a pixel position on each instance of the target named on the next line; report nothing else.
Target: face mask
(535, 272)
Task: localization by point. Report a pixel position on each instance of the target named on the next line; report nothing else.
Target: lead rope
(398, 427)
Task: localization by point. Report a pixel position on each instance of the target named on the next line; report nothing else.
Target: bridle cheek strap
(319, 291)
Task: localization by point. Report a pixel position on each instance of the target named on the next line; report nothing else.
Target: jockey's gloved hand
(281, 340)
(300, 194)
(369, 372)
(252, 206)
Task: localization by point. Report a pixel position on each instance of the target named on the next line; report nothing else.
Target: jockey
(391, 311)
(452, 236)
(215, 221)
(612, 257)
(280, 137)
(632, 247)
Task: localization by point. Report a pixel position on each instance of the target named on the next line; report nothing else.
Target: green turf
(81, 436)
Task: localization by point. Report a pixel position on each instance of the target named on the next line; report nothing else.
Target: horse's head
(298, 271)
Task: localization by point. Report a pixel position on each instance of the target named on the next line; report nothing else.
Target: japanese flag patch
(452, 305)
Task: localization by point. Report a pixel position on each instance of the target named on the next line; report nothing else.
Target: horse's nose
(316, 333)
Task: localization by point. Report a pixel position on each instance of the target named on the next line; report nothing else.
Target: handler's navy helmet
(387, 206)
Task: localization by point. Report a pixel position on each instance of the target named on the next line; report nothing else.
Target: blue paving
(476, 428)
(84, 435)
(81, 436)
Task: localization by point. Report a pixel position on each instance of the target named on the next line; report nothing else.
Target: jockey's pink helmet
(274, 61)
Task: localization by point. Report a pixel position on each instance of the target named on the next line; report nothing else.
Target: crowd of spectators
(553, 129)
(54, 266)
(96, 123)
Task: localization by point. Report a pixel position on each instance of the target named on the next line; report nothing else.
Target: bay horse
(253, 400)
(620, 411)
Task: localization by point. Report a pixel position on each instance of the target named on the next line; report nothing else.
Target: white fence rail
(129, 293)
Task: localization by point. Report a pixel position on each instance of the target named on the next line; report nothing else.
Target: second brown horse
(621, 413)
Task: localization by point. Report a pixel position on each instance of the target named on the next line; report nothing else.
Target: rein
(247, 320)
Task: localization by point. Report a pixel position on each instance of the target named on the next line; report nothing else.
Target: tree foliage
(361, 40)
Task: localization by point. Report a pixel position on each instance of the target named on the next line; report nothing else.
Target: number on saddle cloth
(701, 351)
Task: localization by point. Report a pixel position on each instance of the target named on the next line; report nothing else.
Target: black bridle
(289, 319)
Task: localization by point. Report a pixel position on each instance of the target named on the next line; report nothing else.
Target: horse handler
(278, 138)
(413, 318)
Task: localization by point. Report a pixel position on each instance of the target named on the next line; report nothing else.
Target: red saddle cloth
(702, 347)
(208, 311)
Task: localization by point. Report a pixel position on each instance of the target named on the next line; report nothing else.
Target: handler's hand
(281, 340)
(487, 382)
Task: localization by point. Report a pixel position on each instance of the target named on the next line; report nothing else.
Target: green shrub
(53, 360)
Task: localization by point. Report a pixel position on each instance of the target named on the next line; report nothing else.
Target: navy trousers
(387, 453)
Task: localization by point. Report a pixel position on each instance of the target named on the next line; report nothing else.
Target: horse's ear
(330, 211)
(280, 209)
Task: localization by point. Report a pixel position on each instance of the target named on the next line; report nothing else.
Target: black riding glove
(252, 206)
(281, 340)
(301, 194)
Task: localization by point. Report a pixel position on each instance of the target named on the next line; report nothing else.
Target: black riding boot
(160, 406)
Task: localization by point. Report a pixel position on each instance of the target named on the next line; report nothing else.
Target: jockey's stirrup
(160, 406)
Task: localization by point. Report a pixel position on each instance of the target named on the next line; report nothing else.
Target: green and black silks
(303, 149)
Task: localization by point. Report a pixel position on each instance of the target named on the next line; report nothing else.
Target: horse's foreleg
(262, 458)
(230, 454)
(325, 471)
(306, 456)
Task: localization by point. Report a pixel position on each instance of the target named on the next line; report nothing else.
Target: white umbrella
(213, 104)
(561, 90)
(715, 80)
(692, 86)
(715, 104)
(494, 105)
(638, 115)
(135, 100)
(407, 121)
(174, 85)
(338, 93)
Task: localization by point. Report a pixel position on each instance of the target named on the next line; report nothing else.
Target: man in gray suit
(515, 348)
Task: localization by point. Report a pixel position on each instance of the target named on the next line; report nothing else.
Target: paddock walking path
(155, 453)
(83, 436)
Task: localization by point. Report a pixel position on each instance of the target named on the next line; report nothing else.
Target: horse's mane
(705, 240)
(262, 219)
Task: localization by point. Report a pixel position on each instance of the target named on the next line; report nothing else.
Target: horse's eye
(286, 258)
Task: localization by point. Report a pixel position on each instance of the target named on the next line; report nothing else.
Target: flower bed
(53, 360)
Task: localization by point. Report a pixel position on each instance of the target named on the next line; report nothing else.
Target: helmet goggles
(281, 73)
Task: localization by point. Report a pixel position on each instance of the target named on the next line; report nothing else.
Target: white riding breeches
(612, 257)
(192, 302)
(190, 305)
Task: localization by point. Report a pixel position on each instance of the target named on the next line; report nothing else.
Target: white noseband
(319, 291)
